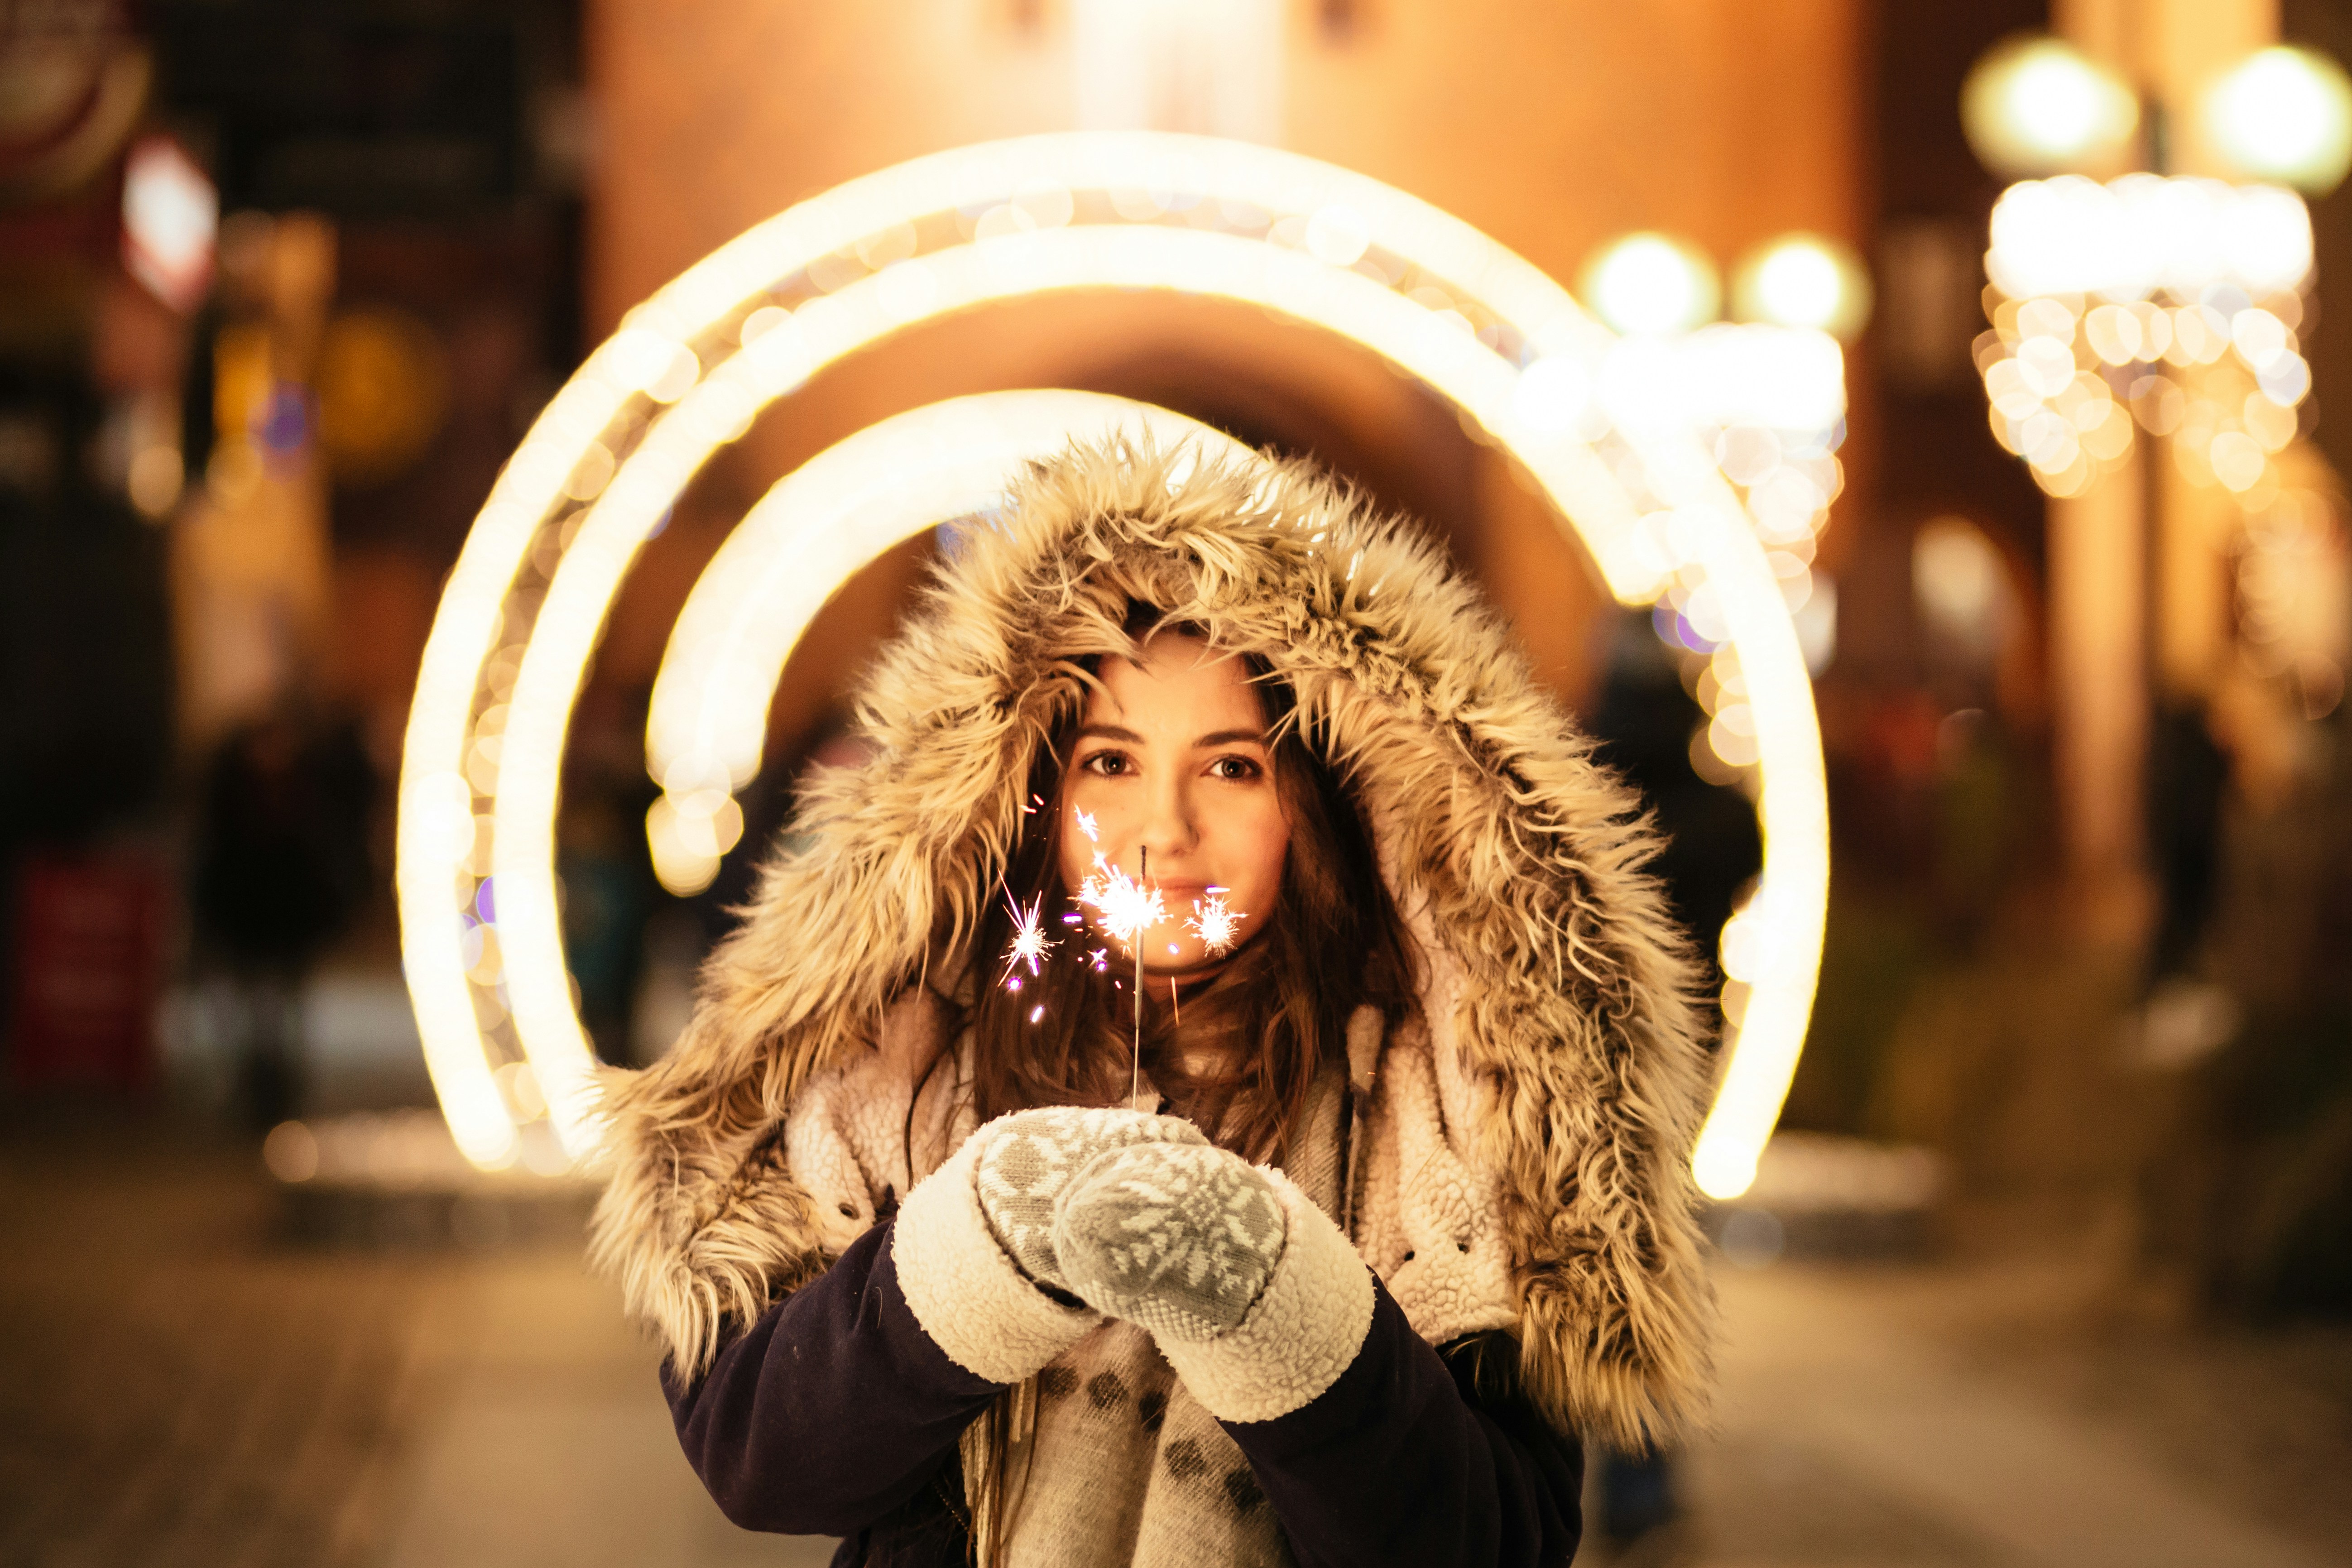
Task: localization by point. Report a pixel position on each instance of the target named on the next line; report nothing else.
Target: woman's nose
(1168, 826)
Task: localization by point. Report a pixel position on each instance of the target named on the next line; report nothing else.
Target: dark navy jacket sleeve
(1411, 1457)
(831, 1411)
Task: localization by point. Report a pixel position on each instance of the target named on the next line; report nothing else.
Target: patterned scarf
(1107, 1460)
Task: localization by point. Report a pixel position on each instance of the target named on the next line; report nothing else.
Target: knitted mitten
(1177, 1238)
(1028, 1159)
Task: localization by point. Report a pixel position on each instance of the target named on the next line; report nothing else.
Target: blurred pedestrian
(280, 865)
(1646, 722)
(2189, 778)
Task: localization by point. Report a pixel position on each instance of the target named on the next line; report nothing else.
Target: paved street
(1880, 1419)
(185, 1388)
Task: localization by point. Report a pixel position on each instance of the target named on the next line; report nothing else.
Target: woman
(1321, 1251)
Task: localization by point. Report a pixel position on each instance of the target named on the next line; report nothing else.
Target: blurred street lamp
(2284, 114)
(1652, 284)
(2124, 292)
(1803, 280)
(2121, 293)
(2161, 306)
(2037, 105)
(1766, 394)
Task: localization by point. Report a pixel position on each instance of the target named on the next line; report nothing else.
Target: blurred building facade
(1582, 126)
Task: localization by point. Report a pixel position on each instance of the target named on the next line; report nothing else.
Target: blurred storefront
(276, 284)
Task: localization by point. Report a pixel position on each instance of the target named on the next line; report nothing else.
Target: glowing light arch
(691, 368)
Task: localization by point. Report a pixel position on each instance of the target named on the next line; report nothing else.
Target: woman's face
(1172, 759)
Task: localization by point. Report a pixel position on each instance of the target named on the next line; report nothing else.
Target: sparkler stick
(1135, 1064)
(1125, 910)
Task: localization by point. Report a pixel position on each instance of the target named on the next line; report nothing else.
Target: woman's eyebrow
(1110, 732)
(1227, 737)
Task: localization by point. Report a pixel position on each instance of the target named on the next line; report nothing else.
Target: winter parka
(1504, 1177)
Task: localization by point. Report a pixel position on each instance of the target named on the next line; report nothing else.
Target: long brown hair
(1331, 945)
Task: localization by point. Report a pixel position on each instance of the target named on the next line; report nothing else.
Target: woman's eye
(1111, 764)
(1233, 769)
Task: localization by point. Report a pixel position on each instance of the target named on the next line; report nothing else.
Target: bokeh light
(2284, 114)
(1650, 284)
(2037, 105)
(1803, 280)
(1959, 581)
(2140, 234)
(2223, 376)
(171, 218)
(2295, 598)
(2195, 279)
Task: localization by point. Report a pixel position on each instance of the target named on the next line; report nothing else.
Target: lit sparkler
(1124, 907)
(1029, 945)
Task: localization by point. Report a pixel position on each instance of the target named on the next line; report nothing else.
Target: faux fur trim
(1301, 1333)
(1557, 983)
(991, 1318)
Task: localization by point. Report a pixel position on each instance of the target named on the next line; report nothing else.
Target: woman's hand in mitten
(1028, 1160)
(1176, 1237)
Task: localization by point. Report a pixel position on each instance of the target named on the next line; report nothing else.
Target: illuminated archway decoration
(691, 368)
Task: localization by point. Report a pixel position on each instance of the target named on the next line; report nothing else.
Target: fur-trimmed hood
(1556, 977)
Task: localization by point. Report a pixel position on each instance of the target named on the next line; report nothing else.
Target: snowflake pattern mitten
(1029, 1159)
(1177, 1238)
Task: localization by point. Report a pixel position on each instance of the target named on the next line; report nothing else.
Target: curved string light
(691, 368)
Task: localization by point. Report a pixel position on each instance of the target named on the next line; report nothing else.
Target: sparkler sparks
(1214, 923)
(1123, 907)
(1087, 826)
(1029, 945)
